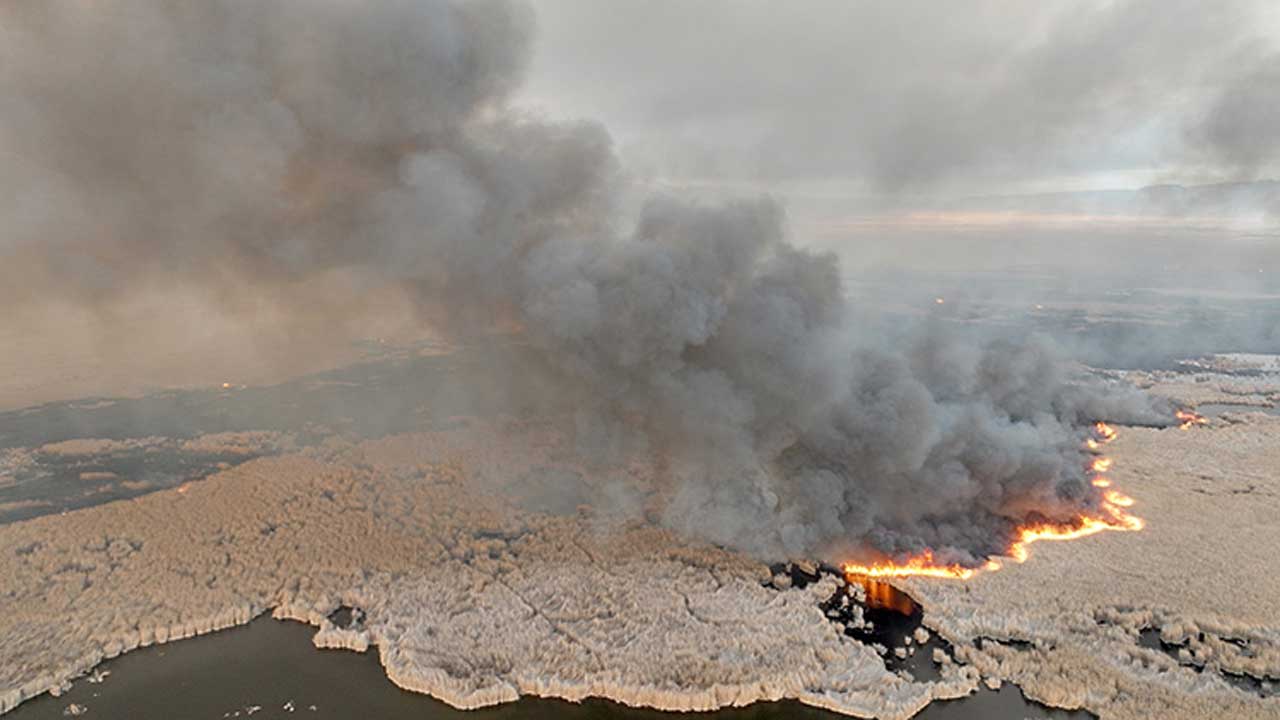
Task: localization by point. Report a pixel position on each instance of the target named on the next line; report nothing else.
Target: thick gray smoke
(231, 145)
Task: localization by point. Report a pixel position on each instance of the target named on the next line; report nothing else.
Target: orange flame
(1083, 527)
(922, 565)
(1111, 515)
(1105, 432)
(1119, 499)
(1186, 419)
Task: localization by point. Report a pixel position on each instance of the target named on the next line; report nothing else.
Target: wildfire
(1111, 515)
(1186, 419)
(1118, 499)
(1105, 432)
(922, 565)
(1084, 527)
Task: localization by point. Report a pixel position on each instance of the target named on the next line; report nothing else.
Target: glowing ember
(1105, 432)
(1111, 515)
(1186, 419)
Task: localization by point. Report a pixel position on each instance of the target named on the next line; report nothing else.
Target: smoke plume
(234, 146)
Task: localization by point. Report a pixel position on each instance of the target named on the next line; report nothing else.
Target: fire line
(1187, 419)
(1112, 514)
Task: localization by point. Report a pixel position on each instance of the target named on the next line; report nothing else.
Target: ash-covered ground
(426, 511)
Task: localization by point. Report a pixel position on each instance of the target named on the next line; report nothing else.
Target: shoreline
(330, 637)
(474, 603)
(685, 586)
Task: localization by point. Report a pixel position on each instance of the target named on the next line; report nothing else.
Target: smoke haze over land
(299, 158)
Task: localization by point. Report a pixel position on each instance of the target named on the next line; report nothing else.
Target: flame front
(1106, 433)
(922, 565)
(1111, 515)
(1186, 419)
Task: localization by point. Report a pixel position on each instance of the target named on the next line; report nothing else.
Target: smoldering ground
(234, 149)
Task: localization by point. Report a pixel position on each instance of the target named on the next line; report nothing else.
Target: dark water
(271, 663)
(405, 392)
(56, 482)
(398, 393)
(894, 617)
(1269, 687)
(890, 618)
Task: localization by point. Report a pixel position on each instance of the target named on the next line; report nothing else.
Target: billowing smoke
(231, 145)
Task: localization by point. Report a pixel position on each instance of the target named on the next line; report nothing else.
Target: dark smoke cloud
(230, 145)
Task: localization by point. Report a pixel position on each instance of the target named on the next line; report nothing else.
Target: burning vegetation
(1110, 514)
(1187, 419)
(385, 152)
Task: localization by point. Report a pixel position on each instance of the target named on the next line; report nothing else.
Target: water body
(399, 392)
(56, 482)
(892, 618)
(1266, 687)
(271, 665)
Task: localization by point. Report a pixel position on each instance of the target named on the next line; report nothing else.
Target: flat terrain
(476, 591)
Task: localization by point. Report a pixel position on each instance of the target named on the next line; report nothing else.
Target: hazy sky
(921, 97)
